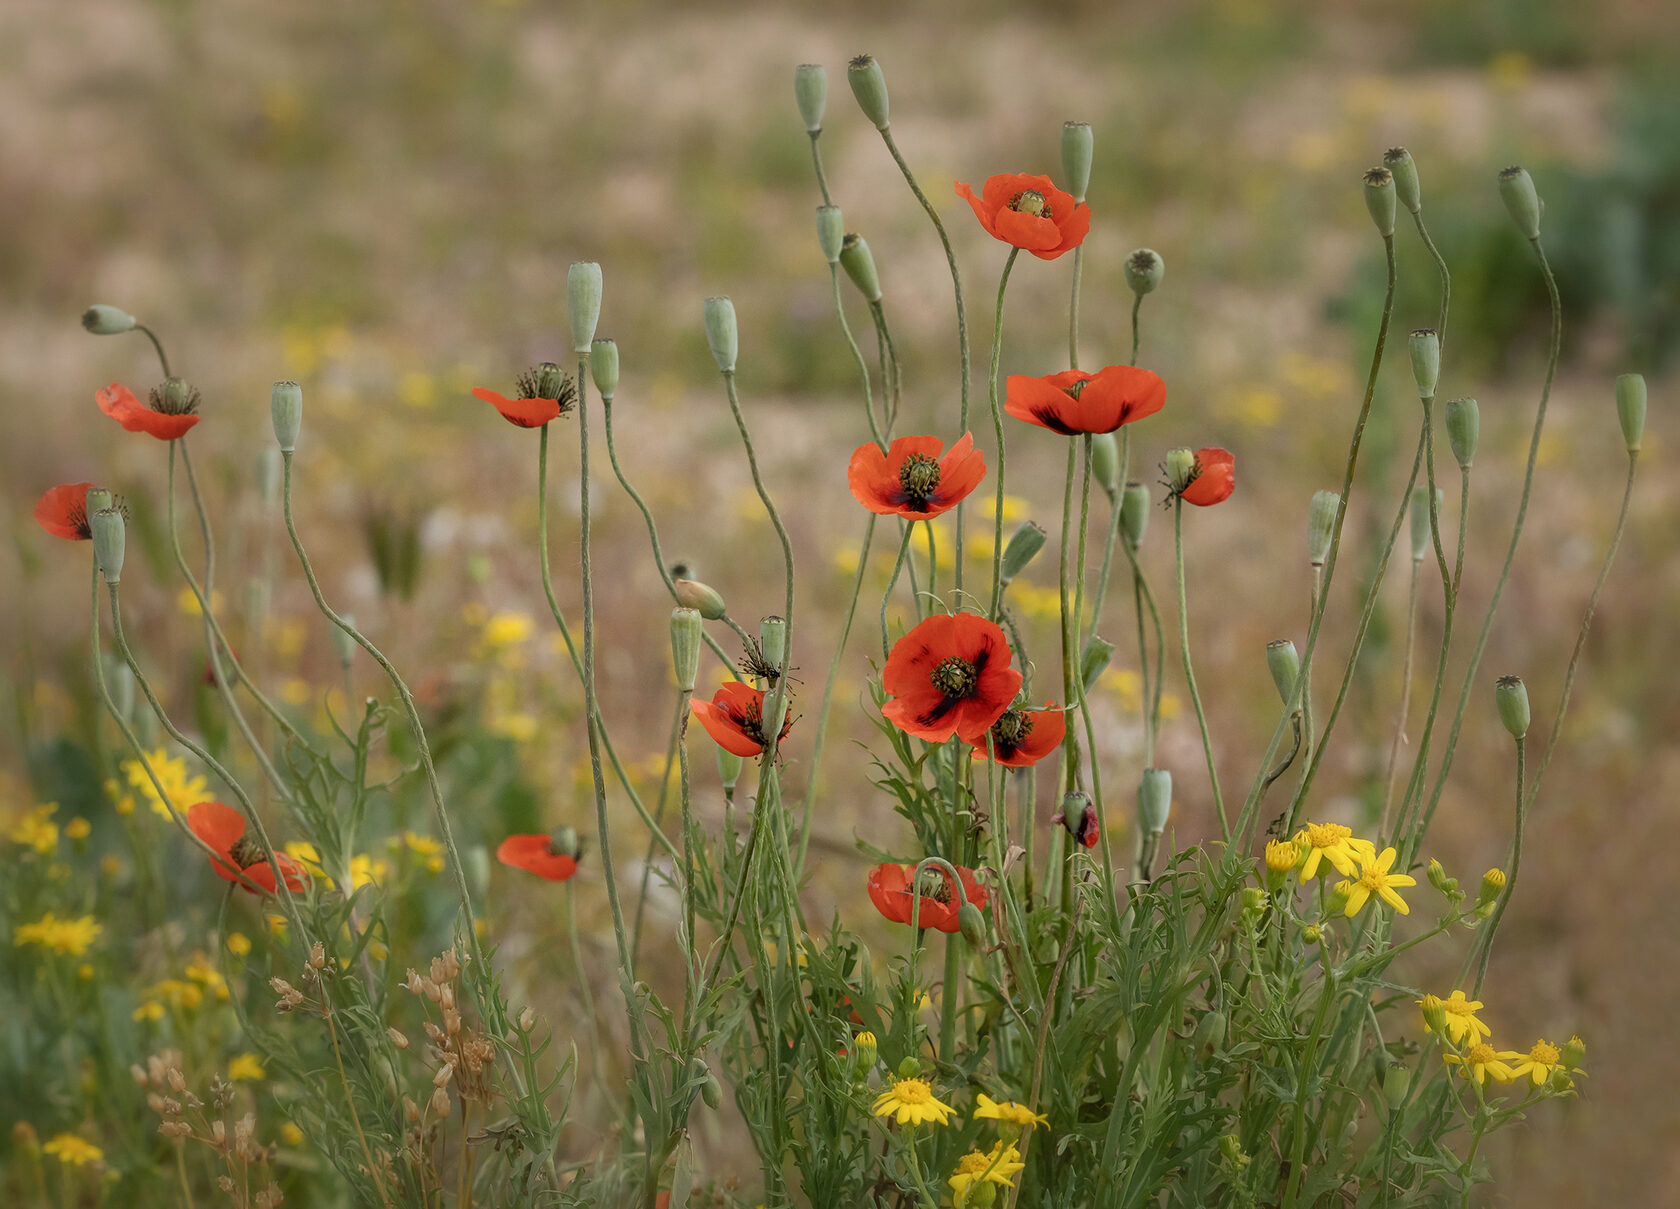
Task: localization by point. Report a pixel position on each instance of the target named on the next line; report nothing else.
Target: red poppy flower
(890, 891)
(62, 511)
(1084, 828)
(537, 854)
(911, 480)
(545, 393)
(1212, 479)
(1030, 213)
(950, 675)
(1023, 737)
(734, 717)
(223, 828)
(164, 416)
(1073, 401)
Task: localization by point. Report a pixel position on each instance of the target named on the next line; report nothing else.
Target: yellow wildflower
(111, 866)
(1334, 843)
(180, 790)
(291, 1134)
(517, 725)
(1375, 878)
(238, 944)
(1282, 855)
(71, 937)
(73, 1150)
(78, 829)
(996, 1166)
(1482, 1062)
(183, 996)
(150, 1009)
(277, 925)
(85, 972)
(365, 871)
(1007, 1111)
(426, 847)
(912, 1102)
(37, 830)
(506, 629)
(245, 1067)
(122, 802)
(1539, 1063)
(188, 603)
(201, 971)
(1461, 1025)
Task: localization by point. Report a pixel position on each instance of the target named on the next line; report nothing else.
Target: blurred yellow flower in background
(73, 1150)
(180, 789)
(246, 1068)
(429, 850)
(37, 830)
(71, 937)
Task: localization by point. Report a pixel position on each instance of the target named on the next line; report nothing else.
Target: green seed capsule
(855, 258)
(1077, 144)
(1154, 803)
(603, 366)
(1425, 347)
(1464, 428)
(772, 640)
(722, 336)
(583, 303)
(1284, 662)
(1181, 466)
(869, 86)
(1511, 695)
(831, 232)
(1024, 545)
(1321, 525)
(1379, 200)
(1094, 659)
(1144, 271)
(1105, 463)
(110, 534)
(1134, 514)
(810, 90)
(686, 626)
(1399, 162)
(102, 320)
(285, 408)
(1630, 409)
(1516, 188)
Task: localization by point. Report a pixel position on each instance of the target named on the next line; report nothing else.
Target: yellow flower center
(1372, 878)
(973, 1163)
(1458, 1007)
(1327, 835)
(912, 1091)
(1481, 1055)
(1543, 1054)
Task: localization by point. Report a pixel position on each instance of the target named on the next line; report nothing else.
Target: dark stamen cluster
(246, 852)
(531, 385)
(954, 677)
(182, 401)
(919, 476)
(1010, 730)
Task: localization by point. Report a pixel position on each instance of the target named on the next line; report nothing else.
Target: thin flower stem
(891, 371)
(1073, 307)
(776, 522)
(1516, 864)
(1415, 837)
(892, 582)
(595, 1050)
(1137, 303)
(1190, 671)
(671, 744)
(690, 973)
(933, 564)
(875, 429)
(997, 427)
(350, 1100)
(1440, 267)
(1581, 635)
(1405, 705)
(1113, 533)
(1070, 660)
(816, 163)
(1080, 689)
(157, 345)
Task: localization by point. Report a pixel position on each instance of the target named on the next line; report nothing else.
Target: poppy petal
(1029, 232)
(1218, 478)
(523, 413)
(534, 854)
(1040, 401)
(62, 511)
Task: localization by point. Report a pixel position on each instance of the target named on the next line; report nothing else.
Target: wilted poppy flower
(1083, 829)
(62, 511)
(170, 411)
(950, 675)
(911, 480)
(1073, 401)
(734, 717)
(1023, 737)
(223, 828)
(544, 393)
(1212, 479)
(1030, 213)
(889, 890)
(543, 855)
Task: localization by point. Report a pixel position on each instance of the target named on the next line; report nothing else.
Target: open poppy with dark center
(1029, 213)
(539, 854)
(223, 828)
(734, 717)
(170, 410)
(1073, 401)
(911, 479)
(62, 512)
(542, 394)
(1212, 478)
(949, 675)
(891, 892)
(1022, 737)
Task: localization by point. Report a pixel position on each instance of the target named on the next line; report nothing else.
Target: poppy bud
(1493, 885)
(97, 499)
(867, 1048)
(1144, 270)
(702, 598)
(1516, 187)
(285, 408)
(860, 266)
(1630, 409)
(1321, 525)
(972, 925)
(603, 367)
(1134, 514)
(1510, 694)
(772, 641)
(1024, 545)
(1425, 347)
(1181, 467)
(1078, 816)
(1379, 200)
(721, 334)
(1396, 1083)
(831, 232)
(810, 90)
(564, 841)
(1210, 1031)
(1076, 157)
(1105, 463)
(102, 320)
(1420, 519)
(1284, 662)
(1574, 1053)
(909, 1068)
(869, 86)
(583, 302)
(1464, 427)
(1154, 801)
(729, 769)
(343, 644)
(711, 1091)
(109, 535)
(685, 646)
(1400, 164)
(1093, 660)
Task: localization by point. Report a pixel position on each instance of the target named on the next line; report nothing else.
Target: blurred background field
(380, 200)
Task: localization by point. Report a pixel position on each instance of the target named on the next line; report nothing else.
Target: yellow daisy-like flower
(238, 944)
(291, 1135)
(1461, 1026)
(246, 1067)
(1334, 843)
(1375, 878)
(1539, 1063)
(151, 1010)
(1282, 855)
(78, 829)
(912, 1102)
(200, 970)
(1483, 1062)
(996, 1166)
(71, 937)
(37, 830)
(184, 996)
(428, 849)
(1007, 1111)
(180, 789)
(77, 1151)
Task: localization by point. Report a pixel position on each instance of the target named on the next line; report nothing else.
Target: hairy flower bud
(1630, 409)
(810, 90)
(603, 366)
(1511, 696)
(1093, 660)
(909, 1068)
(1284, 662)
(1574, 1053)
(1181, 469)
(285, 407)
(1396, 1083)
(583, 302)
(1493, 885)
(1105, 463)
(729, 769)
(867, 1048)
(109, 538)
(1134, 514)
(831, 232)
(685, 646)
(102, 320)
(1077, 144)
(1154, 803)
(869, 86)
(722, 336)
(1321, 525)
(1023, 546)
(1144, 270)
(1516, 188)
(855, 258)
(972, 924)
(1420, 519)
(1464, 428)
(702, 598)
(1379, 200)
(1425, 346)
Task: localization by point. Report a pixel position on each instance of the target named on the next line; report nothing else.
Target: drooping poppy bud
(831, 232)
(102, 320)
(869, 86)
(1093, 660)
(1630, 409)
(1154, 801)
(1397, 1082)
(1134, 514)
(1321, 525)
(1425, 347)
(729, 769)
(859, 264)
(1399, 162)
(583, 302)
(1077, 144)
(810, 90)
(109, 538)
(1079, 817)
(722, 336)
(1144, 270)
(1464, 427)
(1284, 662)
(1516, 188)
(603, 365)
(1379, 200)
(1023, 546)
(1510, 694)
(285, 408)
(972, 924)
(704, 599)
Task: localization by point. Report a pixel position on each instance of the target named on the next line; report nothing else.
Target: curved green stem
(1190, 672)
(997, 428)
(1516, 864)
